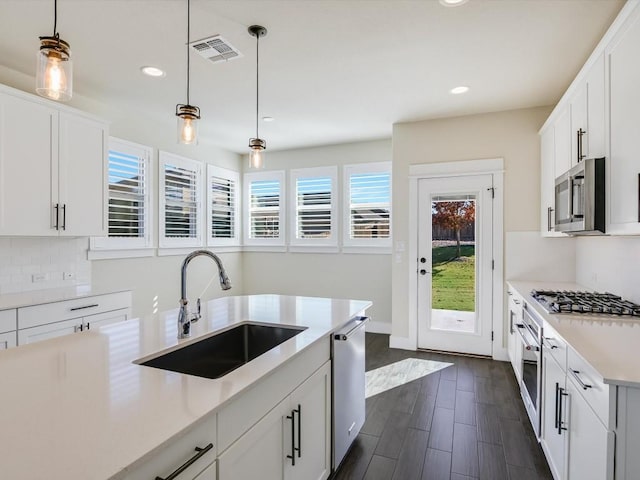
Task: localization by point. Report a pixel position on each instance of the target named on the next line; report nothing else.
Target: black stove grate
(567, 301)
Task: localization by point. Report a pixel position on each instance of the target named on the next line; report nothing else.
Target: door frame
(495, 167)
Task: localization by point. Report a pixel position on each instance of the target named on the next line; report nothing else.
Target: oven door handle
(527, 344)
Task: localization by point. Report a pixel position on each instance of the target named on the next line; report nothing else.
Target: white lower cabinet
(7, 340)
(589, 440)
(514, 345)
(290, 442)
(554, 430)
(51, 330)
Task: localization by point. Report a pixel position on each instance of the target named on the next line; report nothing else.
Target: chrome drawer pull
(188, 463)
(576, 374)
(551, 345)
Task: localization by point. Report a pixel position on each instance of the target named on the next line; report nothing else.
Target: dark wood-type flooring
(464, 422)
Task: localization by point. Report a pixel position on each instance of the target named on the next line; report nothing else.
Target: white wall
(155, 281)
(511, 135)
(609, 264)
(530, 256)
(358, 276)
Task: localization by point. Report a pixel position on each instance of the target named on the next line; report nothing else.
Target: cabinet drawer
(555, 346)
(7, 320)
(515, 303)
(7, 340)
(68, 309)
(179, 451)
(593, 388)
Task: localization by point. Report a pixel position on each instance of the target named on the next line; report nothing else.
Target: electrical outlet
(38, 277)
(68, 275)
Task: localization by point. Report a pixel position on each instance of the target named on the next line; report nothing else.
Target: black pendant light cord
(188, 37)
(55, 19)
(257, 81)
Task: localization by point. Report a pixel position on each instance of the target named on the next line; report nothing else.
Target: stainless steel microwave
(580, 199)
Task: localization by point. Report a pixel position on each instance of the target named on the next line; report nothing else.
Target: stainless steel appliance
(530, 331)
(580, 199)
(563, 301)
(348, 399)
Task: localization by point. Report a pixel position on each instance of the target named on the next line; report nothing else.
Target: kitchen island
(78, 407)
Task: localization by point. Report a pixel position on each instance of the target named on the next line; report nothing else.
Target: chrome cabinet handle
(64, 216)
(561, 393)
(292, 417)
(345, 336)
(188, 463)
(581, 134)
(576, 375)
(549, 210)
(57, 209)
(516, 301)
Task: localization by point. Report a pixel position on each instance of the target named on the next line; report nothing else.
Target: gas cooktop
(563, 301)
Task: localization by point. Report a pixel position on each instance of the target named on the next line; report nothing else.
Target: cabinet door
(588, 440)
(547, 184)
(7, 340)
(312, 403)
(209, 473)
(93, 322)
(52, 330)
(579, 124)
(82, 180)
(261, 452)
(28, 159)
(554, 437)
(595, 140)
(515, 345)
(624, 109)
(562, 143)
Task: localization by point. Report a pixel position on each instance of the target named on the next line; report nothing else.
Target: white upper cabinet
(27, 149)
(594, 147)
(624, 108)
(52, 169)
(562, 143)
(579, 125)
(547, 183)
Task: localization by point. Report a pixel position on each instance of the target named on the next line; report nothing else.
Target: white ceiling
(332, 71)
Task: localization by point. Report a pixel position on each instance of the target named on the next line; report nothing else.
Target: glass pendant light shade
(54, 72)
(256, 154)
(188, 117)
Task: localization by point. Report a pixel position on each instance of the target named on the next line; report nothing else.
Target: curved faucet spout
(184, 322)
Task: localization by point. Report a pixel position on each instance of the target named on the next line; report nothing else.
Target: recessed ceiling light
(453, 3)
(459, 90)
(268, 119)
(152, 71)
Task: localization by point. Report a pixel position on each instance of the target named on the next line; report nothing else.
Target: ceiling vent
(215, 49)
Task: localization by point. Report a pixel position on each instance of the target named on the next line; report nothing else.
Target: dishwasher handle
(359, 324)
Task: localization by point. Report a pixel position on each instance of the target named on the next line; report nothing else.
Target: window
(263, 208)
(222, 206)
(180, 201)
(367, 205)
(312, 209)
(129, 198)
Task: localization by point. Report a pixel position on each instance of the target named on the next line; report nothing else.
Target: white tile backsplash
(529, 256)
(21, 258)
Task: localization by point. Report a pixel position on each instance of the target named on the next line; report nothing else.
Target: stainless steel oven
(530, 332)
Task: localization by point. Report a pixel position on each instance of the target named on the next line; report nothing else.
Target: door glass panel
(453, 247)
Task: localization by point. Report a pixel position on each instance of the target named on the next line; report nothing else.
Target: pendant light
(188, 115)
(257, 145)
(54, 75)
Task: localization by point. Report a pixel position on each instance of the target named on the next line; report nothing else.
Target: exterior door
(455, 275)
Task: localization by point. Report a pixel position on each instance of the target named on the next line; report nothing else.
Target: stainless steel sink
(215, 356)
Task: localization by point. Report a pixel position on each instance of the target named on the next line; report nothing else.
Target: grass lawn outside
(453, 279)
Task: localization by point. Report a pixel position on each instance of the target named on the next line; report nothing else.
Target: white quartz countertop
(609, 343)
(38, 297)
(77, 408)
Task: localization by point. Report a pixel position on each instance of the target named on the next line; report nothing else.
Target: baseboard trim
(378, 327)
(500, 354)
(403, 343)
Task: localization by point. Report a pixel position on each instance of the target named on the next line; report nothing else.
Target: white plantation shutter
(181, 200)
(222, 201)
(127, 175)
(313, 206)
(265, 209)
(264, 193)
(129, 197)
(368, 190)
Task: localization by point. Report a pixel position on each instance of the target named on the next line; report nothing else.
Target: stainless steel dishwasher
(348, 397)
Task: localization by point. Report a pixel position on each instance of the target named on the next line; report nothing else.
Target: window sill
(383, 250)
(265, 248)
(109, 254)
(314, 249)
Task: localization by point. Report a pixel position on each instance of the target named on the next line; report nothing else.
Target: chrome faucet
(184, 318)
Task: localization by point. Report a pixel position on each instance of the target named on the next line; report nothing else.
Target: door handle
(549, 210)
(57, 209)
(561, 393)
(292, 417)
(423, 272)
(423, 260)
(299, 449)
